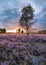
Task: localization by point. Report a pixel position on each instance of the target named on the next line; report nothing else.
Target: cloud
(10, 12)
(41, 19)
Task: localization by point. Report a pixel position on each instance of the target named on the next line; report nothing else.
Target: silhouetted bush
(2, 30)
(42, 32)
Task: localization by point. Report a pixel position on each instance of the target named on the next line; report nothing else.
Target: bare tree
(26, 18)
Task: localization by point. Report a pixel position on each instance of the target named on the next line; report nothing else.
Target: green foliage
(2, 30)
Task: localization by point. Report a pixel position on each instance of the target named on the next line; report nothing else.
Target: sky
(10, 12)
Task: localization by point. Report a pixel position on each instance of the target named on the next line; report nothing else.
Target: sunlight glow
(12, 31)
(16, 30)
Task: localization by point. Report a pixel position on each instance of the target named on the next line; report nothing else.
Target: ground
(18, 49)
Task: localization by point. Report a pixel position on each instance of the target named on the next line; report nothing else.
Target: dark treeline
(42, 32)
(2, 30)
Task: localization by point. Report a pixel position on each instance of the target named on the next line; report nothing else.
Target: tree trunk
(27, 32)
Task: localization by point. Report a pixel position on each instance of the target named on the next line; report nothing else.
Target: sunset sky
(10, 12)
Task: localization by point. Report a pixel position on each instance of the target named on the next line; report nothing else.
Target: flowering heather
(22, 50)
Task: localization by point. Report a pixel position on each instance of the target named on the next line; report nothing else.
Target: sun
(11, 31)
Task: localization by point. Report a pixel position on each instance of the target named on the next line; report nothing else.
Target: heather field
(18, 49)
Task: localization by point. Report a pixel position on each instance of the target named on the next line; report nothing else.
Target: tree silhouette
(19, 30)
(2, 30)
(22, 31)
(42, 32)
(26, 18)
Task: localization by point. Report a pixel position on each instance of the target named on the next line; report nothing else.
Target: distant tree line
(42, 32)
(2, 30)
